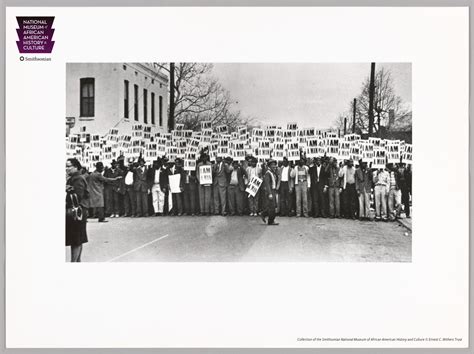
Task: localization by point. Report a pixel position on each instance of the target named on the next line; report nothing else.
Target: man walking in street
(269, 187)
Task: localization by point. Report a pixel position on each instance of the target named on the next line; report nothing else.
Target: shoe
(103, 220)
(224, 214)
(263, 218)
(273, 224)
(298, 216)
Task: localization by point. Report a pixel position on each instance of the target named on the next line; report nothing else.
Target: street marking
(136, 249)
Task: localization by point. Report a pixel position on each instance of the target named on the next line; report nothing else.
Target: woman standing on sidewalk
(77, 202)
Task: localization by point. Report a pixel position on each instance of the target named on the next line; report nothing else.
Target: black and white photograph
(234, 178)
(239, 162)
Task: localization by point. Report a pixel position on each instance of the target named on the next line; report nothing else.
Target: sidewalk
(405, 222)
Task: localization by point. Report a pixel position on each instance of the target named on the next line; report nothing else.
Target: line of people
(319, 187)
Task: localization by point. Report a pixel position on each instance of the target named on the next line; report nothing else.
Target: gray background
(52, 3)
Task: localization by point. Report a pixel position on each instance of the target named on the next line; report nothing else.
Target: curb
(405, 223)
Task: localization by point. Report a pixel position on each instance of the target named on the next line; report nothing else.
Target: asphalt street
(245, 239)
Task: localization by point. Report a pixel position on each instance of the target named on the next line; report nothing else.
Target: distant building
(101, 96)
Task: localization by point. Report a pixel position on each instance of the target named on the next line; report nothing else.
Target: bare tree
(199, 96)
(385, 100)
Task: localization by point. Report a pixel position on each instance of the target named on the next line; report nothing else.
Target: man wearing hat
(141, 187)
(177, 169)
(158, 180)
(285, 186)
(96, 190)
(302, 183)
(236, 188)
(269, 186)
(349, 187)
(318, 181)
(220, 172)
(204, 189)
(253, 171)
(111, 191)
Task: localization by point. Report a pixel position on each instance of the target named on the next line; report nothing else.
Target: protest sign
(367, 152)
(263, 153)
(206, 125)
(205, 174)
(174, 181)
(392, 148)
(407, 156)
(354, 153)
(293, 155)
(189, 165)
(222, 151)
(254, 186)
(352, 137)
(375, 142)
(292, 126)
(221, 129)
(379, 158)
(238, 155)
(278, 155)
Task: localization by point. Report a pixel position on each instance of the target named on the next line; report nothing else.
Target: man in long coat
(96, 183)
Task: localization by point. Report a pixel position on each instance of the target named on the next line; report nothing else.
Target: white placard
(205, 174)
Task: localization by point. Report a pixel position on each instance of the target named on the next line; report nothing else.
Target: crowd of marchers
(318, 187)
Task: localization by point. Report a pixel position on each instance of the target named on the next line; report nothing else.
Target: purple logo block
(35, 34)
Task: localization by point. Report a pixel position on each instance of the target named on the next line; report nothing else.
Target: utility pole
(354, 116)
(345, 126)
(171, 116)
(371, 99)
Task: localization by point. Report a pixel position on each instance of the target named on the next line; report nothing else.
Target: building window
(87, 97)
(135, 102)
(125, 99)
(153, 108)
(160, 107)
(145, 106)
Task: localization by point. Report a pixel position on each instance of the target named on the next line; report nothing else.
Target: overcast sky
(313, 95)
